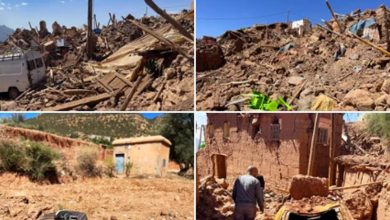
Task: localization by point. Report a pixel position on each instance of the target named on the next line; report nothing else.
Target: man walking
(247, 191)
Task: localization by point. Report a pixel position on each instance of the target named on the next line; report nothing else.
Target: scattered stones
(361, 99)
(386, 86)
(209, 55)
(295, 80)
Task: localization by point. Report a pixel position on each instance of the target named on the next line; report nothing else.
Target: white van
(20, 71)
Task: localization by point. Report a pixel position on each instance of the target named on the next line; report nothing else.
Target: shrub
(33, 160)
(129, 166)
(40, 162)
(12, 157)
(109, 167)
(86, 164)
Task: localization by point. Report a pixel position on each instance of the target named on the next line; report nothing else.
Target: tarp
(126, 57)
(361, 25)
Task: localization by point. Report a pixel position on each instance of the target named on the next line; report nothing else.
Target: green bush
(129, 167)
(33, 159)
(86, 164)
(12, 157)
(109, 165)
(40, 164)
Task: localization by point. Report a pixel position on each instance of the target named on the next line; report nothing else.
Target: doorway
(120, 163)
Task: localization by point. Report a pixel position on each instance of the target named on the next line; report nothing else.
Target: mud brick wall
(249, 142)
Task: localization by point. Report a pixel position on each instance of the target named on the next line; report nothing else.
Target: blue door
(120, 163)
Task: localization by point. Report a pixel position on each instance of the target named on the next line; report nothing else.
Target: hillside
(112, 125)
(5, 32)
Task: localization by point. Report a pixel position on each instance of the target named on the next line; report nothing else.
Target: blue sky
(17, 13)
(27, 115)
(352, 117)
(217, 16)
(151, 115)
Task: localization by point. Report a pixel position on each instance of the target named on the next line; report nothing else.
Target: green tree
(179, 129)
(379, 124)
(18, 117)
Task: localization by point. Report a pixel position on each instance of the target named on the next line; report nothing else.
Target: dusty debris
(348, 68)
(127, 48)
(209, 55)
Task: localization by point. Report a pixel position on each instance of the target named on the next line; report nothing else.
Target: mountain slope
(112, 125)
(5, 32)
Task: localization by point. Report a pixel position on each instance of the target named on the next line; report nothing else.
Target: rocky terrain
(322, 69)
(137, 64)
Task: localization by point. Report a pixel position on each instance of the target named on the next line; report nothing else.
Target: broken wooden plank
(157, 97)
(84, 101)
(162, 39)
(296, 94)
(387, 53)
(353, 187)
(174, 23)
(148, 83)
(235, 83)
(354, 36)
(334, 16)
(132, 92)
(78, 91)
(23, 94)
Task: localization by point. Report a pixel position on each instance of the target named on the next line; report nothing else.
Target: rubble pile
(319, 69)
(215, 202)
(138, 64)
(359, 137)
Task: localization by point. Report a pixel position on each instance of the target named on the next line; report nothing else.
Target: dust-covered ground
(105, 198)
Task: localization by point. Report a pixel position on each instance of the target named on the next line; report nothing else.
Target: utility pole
(313, 152)
(90, 37)
(288, 16)
(332, 149)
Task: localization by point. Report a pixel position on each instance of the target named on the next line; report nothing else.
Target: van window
(39, 62)
(30, 65)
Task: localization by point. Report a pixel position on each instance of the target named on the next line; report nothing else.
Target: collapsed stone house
(147, 155)
(278, 144)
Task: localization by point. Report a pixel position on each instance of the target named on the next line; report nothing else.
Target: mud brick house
(148, 155)
(278, 144)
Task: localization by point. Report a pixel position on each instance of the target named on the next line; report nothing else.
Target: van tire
(13, 93)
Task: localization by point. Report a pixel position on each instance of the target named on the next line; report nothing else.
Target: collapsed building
(323, 67)
(304, 163)
(134, 64)
(278, 144)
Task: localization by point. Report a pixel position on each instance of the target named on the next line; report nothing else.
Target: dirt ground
(115, 198)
